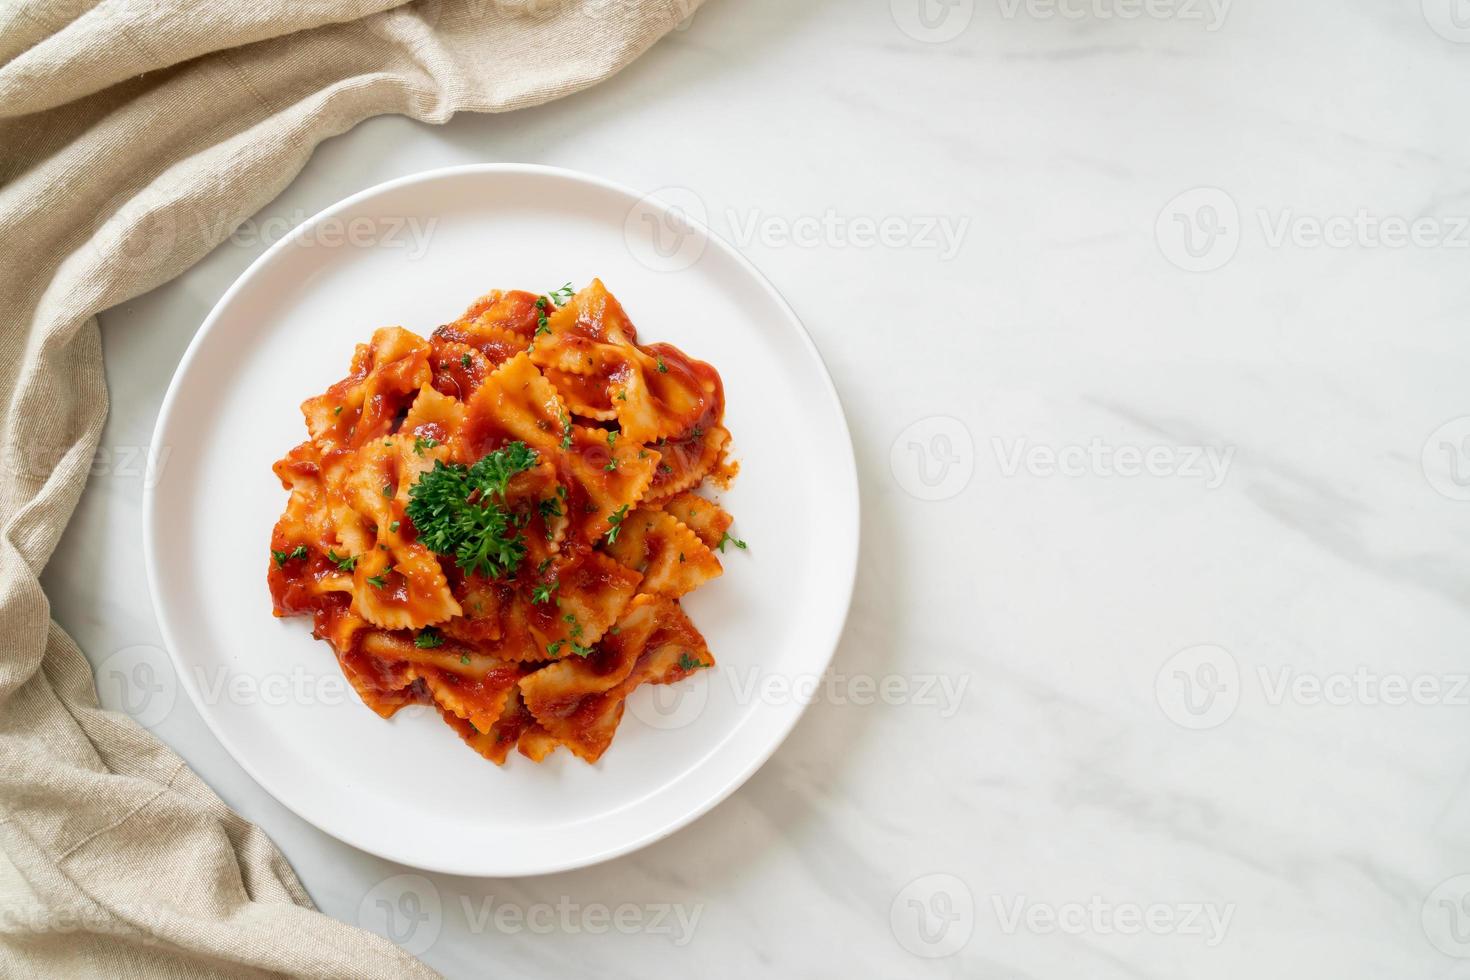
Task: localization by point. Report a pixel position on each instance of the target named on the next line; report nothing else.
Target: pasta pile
(500, 520)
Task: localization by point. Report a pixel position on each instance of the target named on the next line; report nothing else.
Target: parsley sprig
(727, 539)
(612, 461)
(461, 511)
(616, 520)
(282, 557)
(546, 304)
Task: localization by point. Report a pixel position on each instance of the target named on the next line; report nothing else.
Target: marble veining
(1149, 719)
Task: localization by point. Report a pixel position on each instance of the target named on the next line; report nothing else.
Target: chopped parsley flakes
(282, 557)
(461, 511)
(616, 520)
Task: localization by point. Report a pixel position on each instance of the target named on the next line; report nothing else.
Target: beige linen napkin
(134, 136)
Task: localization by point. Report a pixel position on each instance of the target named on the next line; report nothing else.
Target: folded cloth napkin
(122, 123)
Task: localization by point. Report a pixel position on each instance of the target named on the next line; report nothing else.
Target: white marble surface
(1098, 797)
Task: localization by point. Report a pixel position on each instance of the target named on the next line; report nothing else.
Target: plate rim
(847, 569)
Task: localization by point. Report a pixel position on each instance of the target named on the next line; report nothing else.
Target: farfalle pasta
(499, 520)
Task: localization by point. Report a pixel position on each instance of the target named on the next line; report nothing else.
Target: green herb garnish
(428, 639)
(724, 539)
(616, 520)
(461, 511)
(282, 557)
(545, 304)
(344, 563)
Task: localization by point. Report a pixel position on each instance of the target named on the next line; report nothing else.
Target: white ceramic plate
(408, 789)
